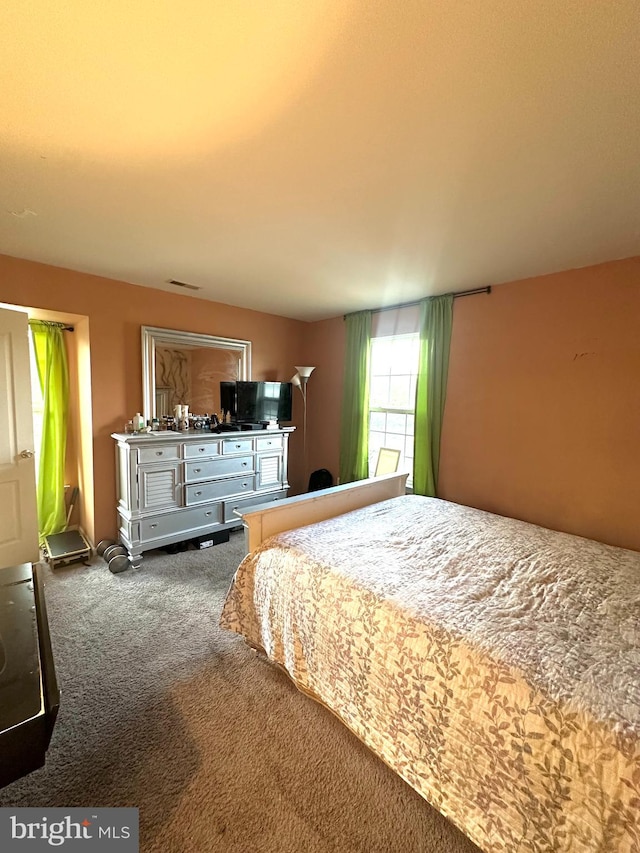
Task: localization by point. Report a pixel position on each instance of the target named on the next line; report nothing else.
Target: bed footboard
(268, 519)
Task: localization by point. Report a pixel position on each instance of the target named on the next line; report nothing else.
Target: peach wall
(543, 411)
(542, 419)
(325, 347)
(115, 312)
(86, 480)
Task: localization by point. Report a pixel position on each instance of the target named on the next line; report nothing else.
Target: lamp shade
(295, 380)
(305, 372)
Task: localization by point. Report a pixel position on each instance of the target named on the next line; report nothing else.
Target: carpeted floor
(162, 710)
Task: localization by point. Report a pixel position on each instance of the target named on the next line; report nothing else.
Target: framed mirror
(187, 368)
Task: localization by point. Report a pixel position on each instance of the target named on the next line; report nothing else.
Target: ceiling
(313, 157)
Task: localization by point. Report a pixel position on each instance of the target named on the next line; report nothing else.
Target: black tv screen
(263, 401)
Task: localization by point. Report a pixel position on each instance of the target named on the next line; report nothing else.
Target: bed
(493, 664)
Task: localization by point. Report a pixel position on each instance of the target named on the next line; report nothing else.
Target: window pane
(395, 441)
(405, 353)
(400, 393)
(382, 356)
(396, 423)
(37, 406)
(410, 422)
(379, 392)
(405, 466)
(377, 421)
(376, 441)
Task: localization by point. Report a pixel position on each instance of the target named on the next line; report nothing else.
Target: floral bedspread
(494, 664)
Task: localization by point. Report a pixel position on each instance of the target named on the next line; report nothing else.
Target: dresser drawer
(220, 467)
(241, 503)
(272, 443)
(237, 445)
(158, 453)
(181, 522)
(201, 450)
(199, 492)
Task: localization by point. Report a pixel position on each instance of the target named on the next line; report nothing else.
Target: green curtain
(436, 315)
(354, 431)
(53, 373)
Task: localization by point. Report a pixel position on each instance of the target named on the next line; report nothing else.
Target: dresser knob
(153, 525)
(198, 493)
(159, 452)
(202, 449)
(209, 512)
(197, 470)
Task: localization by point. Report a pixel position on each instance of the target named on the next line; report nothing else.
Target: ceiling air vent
(183, 284)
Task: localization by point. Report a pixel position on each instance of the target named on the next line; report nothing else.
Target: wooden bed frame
(512, 758)
(262, 521)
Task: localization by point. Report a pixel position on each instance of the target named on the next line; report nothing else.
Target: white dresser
(173, 486)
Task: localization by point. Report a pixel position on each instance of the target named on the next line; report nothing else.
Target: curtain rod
(418, 301)
(486, 289)
(52, 323)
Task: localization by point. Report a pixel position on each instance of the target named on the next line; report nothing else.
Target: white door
(18, 508)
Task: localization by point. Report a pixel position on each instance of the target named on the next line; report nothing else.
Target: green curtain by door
(53, 373)
(435, 340)
(354, 432)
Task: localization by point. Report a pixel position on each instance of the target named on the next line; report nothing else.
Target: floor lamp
(300, 381)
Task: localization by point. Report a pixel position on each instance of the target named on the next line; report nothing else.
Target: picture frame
(388, 461)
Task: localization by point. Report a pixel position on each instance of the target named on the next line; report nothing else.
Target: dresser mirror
(187, 368)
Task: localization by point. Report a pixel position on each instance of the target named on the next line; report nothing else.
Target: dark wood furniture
(29, 695)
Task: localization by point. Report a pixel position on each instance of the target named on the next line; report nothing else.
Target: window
(392, 395)
(37, 406)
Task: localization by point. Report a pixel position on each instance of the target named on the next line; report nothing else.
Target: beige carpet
(219, 751)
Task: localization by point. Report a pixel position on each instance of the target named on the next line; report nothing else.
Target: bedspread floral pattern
(493, 664)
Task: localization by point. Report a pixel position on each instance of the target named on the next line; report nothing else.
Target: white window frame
(390, 436)
(37, 406)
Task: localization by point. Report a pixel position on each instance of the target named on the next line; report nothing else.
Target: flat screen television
(257, 402)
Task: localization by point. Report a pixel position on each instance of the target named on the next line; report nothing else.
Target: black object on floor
(175, 547)
(209, 539)
(320, 479)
